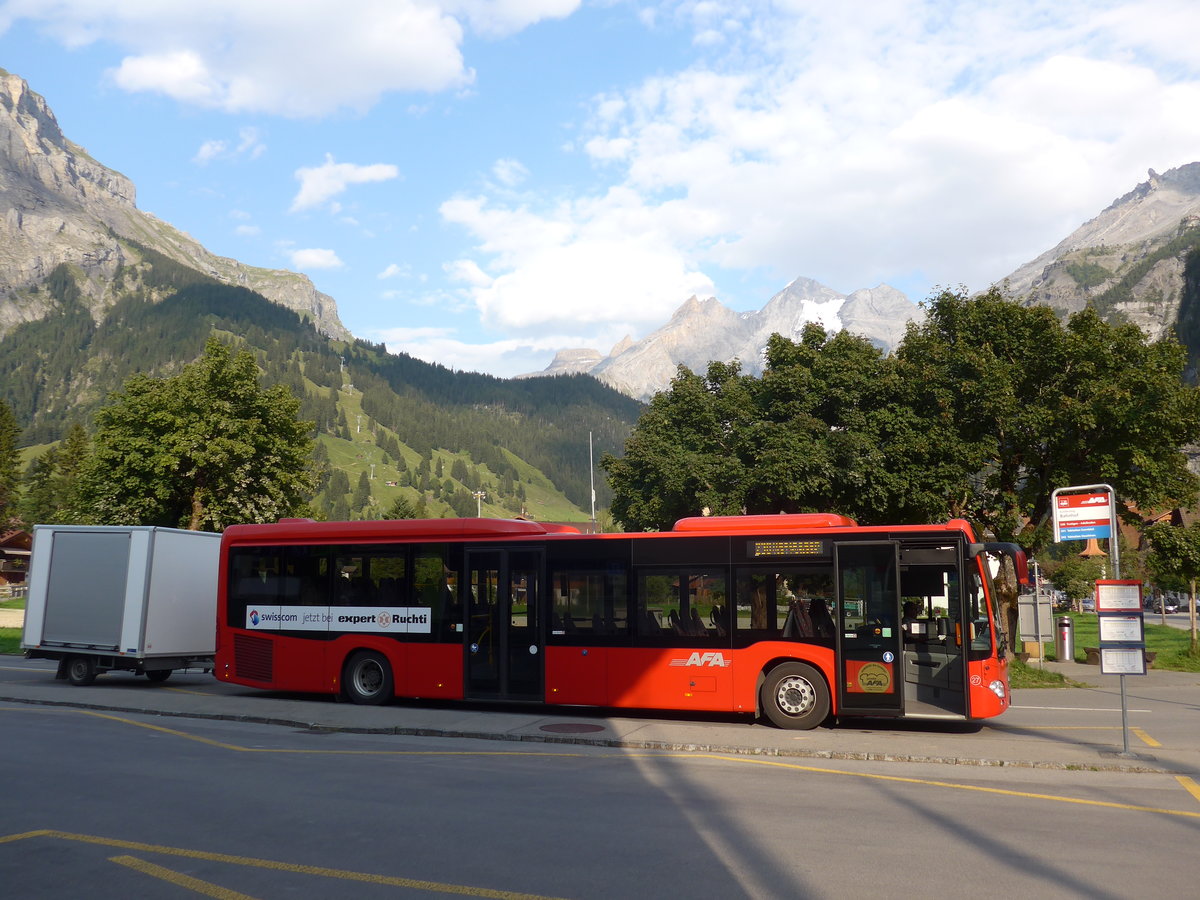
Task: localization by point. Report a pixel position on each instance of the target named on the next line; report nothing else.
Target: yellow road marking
(1146, 739)
(692, 756)
(948, 784)
(276, 866)
(193, 884)
(1190, 786)
(1068, 728)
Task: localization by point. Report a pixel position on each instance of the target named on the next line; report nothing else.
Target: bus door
(934, 661)
(870, 670)
(503, 638)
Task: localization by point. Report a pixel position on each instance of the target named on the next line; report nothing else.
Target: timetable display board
(1122, 629)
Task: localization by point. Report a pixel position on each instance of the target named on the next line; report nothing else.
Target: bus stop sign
(1078, 517)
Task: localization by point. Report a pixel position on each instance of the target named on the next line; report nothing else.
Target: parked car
(1157, 604)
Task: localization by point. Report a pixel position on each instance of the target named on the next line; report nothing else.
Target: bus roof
(785, 522)
(293, 531)
(391, 529)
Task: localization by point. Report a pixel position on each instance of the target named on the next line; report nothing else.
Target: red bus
(793, 617)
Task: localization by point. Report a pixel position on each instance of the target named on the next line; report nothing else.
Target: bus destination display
(785, 548)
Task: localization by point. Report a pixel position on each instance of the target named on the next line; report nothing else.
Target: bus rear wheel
(794, 695)
(367, 679)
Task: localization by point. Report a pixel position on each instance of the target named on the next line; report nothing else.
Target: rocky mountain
(93, 291)
(1129, 261)
(62, 206)
(1138, 260)
(704, 330)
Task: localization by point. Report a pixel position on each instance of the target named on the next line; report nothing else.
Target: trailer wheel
(158, 674)
(81, 670)
(795, 695)
(367, 679)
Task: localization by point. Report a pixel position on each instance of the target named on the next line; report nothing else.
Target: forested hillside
(390, 427)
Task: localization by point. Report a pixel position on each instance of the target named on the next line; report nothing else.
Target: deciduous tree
(10, 470)
(1175, 552)
(204, 449)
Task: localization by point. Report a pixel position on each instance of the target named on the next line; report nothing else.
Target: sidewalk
(1076, 728)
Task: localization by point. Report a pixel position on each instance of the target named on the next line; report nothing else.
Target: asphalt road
(196, 788)
(1174, 620)
(136, 805)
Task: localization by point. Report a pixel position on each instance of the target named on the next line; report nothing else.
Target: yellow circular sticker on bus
(875, 678)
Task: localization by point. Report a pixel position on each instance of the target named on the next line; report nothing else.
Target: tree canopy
(985, 408)
(10, 433)
(1175, 553)
(52, 480)
(203, 449)
(1038, 404)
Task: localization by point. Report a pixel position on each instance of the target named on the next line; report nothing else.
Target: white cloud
(247, 231)
(181, 74)
(891, 140)
(394, 271)
(314, 258)
(504, 357)
(496, 18)
(467, 271)
(509, 172)
(605, 265)
(285, 57)
(319, 184)
(856, 144)
(209, 151)
(249, 145)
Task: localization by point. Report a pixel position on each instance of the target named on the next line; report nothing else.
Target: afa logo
(709, 659)
(254, 618)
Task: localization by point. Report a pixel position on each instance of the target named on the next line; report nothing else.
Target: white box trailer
(122, 597)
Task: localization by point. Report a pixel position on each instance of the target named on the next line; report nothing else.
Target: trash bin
(1064, 639)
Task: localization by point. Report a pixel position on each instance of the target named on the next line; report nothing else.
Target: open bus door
(504, 651)
(932, 616)
(870, 671)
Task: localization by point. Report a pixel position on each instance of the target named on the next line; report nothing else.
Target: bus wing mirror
(1012, 551)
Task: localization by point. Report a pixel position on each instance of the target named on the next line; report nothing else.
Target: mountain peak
(62, 206)
(1149, 212)
(701, 331)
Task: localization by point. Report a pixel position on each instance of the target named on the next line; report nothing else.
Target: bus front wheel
(794, 695)
(367, 679)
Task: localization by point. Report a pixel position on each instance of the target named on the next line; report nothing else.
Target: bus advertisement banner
(388, 620)
(1078, 517)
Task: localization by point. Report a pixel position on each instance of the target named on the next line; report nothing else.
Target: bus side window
(789, 605)
(588, 604)
(435, 587)
(682, 606)
(306, 577)
(350, 582)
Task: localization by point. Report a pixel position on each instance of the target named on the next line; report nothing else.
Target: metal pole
(1125, 719)
(592, 473)
(1037, 615)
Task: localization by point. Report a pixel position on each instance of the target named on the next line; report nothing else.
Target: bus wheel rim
(795, 695)
(369, 677)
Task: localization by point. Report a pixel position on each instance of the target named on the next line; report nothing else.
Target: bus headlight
(997, 688)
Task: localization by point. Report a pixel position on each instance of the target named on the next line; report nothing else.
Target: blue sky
(482, 183)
